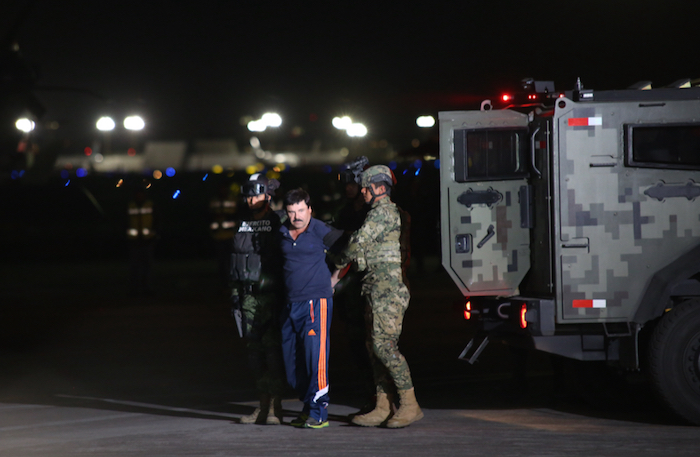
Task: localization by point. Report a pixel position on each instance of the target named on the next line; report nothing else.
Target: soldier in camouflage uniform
(256, 275)
(376, 248)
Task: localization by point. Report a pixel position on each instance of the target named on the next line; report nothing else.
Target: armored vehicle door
(485, 204)
(626, 198)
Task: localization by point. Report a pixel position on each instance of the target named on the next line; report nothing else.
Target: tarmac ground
(88, 369)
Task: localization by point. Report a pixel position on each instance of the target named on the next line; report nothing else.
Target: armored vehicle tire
(674, 360)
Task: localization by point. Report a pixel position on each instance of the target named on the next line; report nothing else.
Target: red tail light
(506, 97)
(523, 315)
(468, 310)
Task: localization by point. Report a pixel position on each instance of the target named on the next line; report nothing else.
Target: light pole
(106, 125)
(26, 126)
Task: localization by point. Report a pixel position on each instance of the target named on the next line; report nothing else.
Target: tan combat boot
(274, 417)
(260, 415)
(408, 412)
(251, 418)
(379, 414)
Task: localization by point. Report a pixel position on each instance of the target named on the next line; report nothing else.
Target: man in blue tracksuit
(306, 319)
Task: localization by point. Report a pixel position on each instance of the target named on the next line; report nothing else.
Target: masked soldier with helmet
(376, 248)
(256, 272)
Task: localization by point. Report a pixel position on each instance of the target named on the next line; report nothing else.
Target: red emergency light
(523, 315)
(506, 97)
(468, 310)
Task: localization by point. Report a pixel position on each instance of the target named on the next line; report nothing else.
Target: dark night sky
(195, 68)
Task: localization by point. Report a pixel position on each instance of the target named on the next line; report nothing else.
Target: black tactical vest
(255, 249)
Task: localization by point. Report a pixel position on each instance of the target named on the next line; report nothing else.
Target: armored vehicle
(571, 221)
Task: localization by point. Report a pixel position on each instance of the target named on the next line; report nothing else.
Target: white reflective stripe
(214, 225)
(228, 225)
(132, 232)
(229, 204)
(321, 393)
(133, 210)
(146, 231)
(146, 210)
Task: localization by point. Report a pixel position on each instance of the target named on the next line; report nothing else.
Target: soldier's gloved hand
(235, 304)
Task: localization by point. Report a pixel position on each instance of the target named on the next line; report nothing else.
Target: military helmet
(259, 184)
(377, 174)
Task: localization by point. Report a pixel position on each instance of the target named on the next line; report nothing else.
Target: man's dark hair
(295, 196)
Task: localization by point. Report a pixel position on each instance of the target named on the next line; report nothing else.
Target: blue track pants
(305, 345)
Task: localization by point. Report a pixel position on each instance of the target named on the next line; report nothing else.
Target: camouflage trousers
(387, 299)
(264, 342)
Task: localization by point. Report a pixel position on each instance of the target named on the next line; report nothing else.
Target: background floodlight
(134, 123)
(342, 123)
(257, 126)
(105, 124)
(271, 119)
(425, 121)
(357, 130)
(25, 125)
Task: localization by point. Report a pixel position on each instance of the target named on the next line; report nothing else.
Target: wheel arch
(674, 279)
(674, 360)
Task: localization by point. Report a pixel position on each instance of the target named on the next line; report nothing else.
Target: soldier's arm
(373, 226)
(333, 238)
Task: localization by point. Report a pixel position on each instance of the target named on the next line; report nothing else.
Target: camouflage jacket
(375, 246)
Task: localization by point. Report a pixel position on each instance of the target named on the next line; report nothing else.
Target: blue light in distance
(176, 194)
(392, 165)
(67, 182)
(436, 164)
(416, 173)
(205, 177)
(65, 174)
(418, 163)
(14, 174)
(170, 172)
(327, 169)
(81, 172)
(404, 172)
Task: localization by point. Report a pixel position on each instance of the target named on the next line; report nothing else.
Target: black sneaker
(300, 420)
(313, 423)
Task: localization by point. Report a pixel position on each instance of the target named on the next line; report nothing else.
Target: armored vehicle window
(665, 146)
(489, 154)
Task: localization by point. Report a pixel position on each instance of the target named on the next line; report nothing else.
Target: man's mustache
(298, 220)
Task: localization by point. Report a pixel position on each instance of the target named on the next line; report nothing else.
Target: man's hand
(335, 277)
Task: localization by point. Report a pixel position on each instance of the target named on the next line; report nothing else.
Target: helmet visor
(251, 189)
